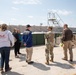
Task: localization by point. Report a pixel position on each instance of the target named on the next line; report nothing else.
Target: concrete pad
(58, 67)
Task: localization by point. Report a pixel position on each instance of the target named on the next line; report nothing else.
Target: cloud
(14, 8)
(26, 2)
(62, 12)
(13, 19)
(30, 16)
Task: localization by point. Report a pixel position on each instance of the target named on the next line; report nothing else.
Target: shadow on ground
(62, 65)
(22, 57)
(40, 66)
(11, 73)
(73, 63)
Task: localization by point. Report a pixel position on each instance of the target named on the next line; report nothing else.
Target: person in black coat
(20, 40)
(17, 42)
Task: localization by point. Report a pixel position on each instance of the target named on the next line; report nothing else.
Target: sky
(35, 12)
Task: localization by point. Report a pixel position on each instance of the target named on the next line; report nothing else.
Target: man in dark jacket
(27, 39)
(67, 41)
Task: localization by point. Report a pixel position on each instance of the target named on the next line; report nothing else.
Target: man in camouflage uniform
(49, 42)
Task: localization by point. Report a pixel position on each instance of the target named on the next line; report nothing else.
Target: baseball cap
(28, 26)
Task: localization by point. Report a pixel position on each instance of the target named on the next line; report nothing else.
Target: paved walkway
(59, 67)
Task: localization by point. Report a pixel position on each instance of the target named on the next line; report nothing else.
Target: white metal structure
(54, 19)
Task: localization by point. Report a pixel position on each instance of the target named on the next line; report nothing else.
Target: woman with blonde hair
(6, 41)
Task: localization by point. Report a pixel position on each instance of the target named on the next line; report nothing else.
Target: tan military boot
(51, 60)
(64, 59)
(47, 62)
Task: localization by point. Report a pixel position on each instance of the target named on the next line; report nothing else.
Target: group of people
(66, 40)
(7, 40)
(18, 40)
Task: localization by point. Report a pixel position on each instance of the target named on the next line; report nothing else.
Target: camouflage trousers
(49, 52)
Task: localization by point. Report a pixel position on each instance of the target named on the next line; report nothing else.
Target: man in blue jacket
(27, 39)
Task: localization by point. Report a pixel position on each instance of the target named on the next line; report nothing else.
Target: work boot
(71, 60)
(47, 62)
(1, 69)
(8, 69)
(31, 62)
(64, 59)
(51, 60)
(19, 53)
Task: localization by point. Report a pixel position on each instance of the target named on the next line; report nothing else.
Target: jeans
(5, 53)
